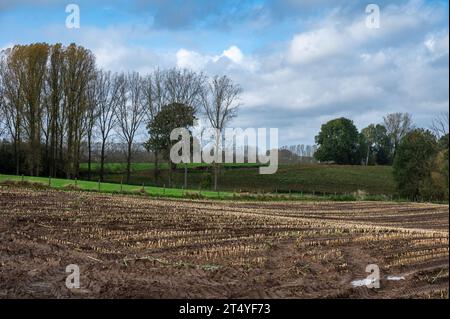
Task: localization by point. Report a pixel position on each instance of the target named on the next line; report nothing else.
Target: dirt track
(134, 247)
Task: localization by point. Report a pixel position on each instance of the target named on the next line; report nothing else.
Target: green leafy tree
(171, 116)
(443, 163)
(397, 126)
(339, 142)
(413, 163)
(378, 145)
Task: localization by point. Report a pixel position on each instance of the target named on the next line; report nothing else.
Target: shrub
(418, 167)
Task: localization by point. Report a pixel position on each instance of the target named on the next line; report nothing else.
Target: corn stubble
(130, 246)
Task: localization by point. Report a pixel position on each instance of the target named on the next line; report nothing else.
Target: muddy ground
(136, 247)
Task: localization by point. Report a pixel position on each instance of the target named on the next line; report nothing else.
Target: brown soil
(135, 247)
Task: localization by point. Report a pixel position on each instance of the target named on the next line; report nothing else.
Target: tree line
(54, 100)
(419, 156)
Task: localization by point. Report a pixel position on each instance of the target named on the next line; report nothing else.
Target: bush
(419, 167)
(339, 142)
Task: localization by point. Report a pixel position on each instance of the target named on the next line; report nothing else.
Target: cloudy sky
(300, 62)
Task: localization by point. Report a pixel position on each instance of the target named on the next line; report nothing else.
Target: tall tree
(440, 125)
(172, 116)
(111, 89)
(184, 86)
(55, 93)
(78, 72)
(369, 134)
(414, 162)
(131, 112)
(220, 101)
(338, 142)
(377, 145)
(12, 102)
(397, 126)
(171, 86)
(29, 65)
(2, 102)
(92, 113)
(154, 98)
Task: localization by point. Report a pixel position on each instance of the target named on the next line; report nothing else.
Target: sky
(300, 63)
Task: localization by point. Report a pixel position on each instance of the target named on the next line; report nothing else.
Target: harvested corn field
(140, 247)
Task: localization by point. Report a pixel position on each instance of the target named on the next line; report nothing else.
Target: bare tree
(168, 87)
(2, 108)
(154, 98)
(440, 125)
(2, 98)
(92, 113)
(110, 89)
(185, 87)
(397, 126)
(12, 104)
(220, 103)
(130, 113)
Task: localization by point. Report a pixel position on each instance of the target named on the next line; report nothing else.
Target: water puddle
(367, 281)
(395, 278)
(362, 282)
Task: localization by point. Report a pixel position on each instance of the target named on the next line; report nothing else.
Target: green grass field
(298, 178)
(60, 183)
(297, 182)
(80, 185)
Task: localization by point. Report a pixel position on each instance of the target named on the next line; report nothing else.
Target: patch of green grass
(291, 182)
(66, 184)
(298, 178)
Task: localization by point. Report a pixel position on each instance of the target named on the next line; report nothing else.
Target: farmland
(154, 191)
(133, 246)
(308, 178)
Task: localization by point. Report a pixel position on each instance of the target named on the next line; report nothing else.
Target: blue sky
(300, 62)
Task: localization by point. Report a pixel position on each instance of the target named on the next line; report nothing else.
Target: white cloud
(191, 60)
(311, 46)
(438, 44)
(234, 54)
(229, 59)
(335, 67)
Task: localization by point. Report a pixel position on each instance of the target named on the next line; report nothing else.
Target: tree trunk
(61, 156)
(170, 175)
(47, 158)
(17, 156)
(367, 157)
(89, 155)
(102, 161)
(129, 163)
(77, 159)
(216, 171)
(185, 176)
(156, 169)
